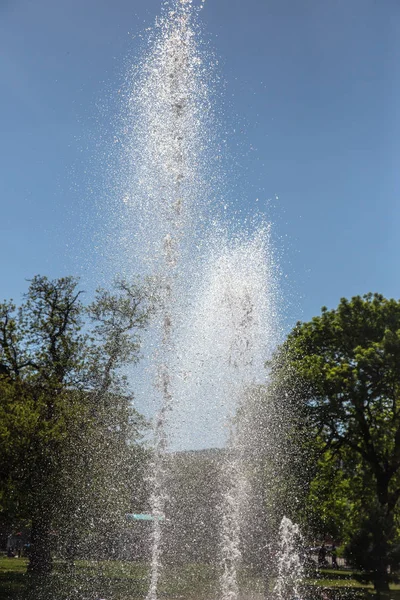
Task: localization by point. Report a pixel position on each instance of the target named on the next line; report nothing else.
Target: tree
(338, 491)
(64, 404)
(341, 371)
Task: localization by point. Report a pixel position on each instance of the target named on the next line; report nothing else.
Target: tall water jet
(226, 335)
(216, 322)
(163, 141)
(290, 566)
(224, 347)
(231, 510)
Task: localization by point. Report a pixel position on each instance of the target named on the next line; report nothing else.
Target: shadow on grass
(113, 580)
(12, 585)
(354, 587)
(88, 581)
(342, 584)
(117, 580)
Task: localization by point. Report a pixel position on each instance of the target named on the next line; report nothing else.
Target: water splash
(217, 320)
(234, 311)
(225, 337)
(234, 491)
(290, 565)
(164, 141)
(163, 147)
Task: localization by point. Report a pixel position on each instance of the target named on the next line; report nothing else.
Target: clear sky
(311, 87)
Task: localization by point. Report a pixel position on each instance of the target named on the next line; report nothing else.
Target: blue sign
(143, 517)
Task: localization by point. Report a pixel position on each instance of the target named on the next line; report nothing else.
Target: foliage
(341, 372)
(341, 486)
(68, 430)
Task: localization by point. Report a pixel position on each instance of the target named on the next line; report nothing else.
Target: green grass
(113, 580)
(12, 577)
(90, 580)
(118, 580)
(345, 584)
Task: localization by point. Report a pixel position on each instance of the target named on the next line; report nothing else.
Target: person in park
(334, 557)
(322, 555)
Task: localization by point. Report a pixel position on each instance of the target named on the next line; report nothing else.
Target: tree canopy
(341, 373)
(68, 429)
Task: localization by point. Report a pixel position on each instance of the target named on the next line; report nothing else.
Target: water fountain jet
(217, 320)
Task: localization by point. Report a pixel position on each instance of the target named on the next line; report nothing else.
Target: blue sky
(312, 89)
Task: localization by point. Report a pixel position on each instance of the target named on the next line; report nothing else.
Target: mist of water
(216, 322)
(290, 565)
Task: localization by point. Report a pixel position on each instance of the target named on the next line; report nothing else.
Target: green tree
(338, 491)
(67, 422)
(341, 372)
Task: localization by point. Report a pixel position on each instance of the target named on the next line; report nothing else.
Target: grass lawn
(347, 584)
(118, 580)
(89, 580)
(112, 580)
(12, 577)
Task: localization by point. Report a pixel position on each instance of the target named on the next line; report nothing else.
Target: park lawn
(12, 577)
(121, 580)
(351, 581)
(118, 580)
(338, 579)
(14, 565)
(192, 580)
(111, 568)
(93, 579)
(195, 580)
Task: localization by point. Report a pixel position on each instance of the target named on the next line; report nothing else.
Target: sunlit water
(289, 561)
(217, 321)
